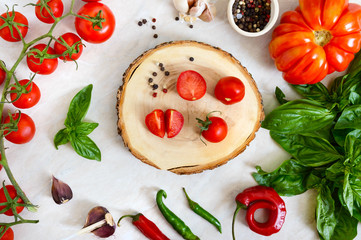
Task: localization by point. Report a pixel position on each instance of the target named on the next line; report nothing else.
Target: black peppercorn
(162, 68)
(177, 18)
(140, 23)
(155, 86)
(154, 74)
(191, 59)
(144, 21)
(166, 73)
(155, 35)
(150, 80)
(154, 27)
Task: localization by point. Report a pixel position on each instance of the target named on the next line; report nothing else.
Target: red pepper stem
(239, 207)
(134, 218)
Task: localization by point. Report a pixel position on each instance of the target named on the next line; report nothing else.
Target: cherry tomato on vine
(18, 19)
(2, 75)
(12, 193)
(214, 129)
(229, 90)
(8, 235)
(72, 41)
(101, 31)
(55, 6)
(48, 64)
(191, 85)
(26, 100)
(25, 132)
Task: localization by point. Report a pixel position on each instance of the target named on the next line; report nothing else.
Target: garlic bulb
(190, 10)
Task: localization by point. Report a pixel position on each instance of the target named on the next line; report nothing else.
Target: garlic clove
(208, 14)
(61, 191)
(181, 5)
(98, 214)
(197, 9)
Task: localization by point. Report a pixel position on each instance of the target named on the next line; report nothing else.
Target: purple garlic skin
(98, 214)
(61, 191)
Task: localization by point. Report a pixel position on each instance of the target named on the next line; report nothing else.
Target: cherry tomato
(26, 129)
(12, 193)
(2, 75)
(155, 122)
(316, 39)
(229, 90)
(214, 130)
(18, 19)
(191, 85)
(85, 28)
(26, 100)
(9, 235)
(71, 40)
(48, 65)
(56, 6)
(174, 121)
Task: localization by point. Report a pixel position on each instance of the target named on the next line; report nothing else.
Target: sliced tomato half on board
(191, 85)
(174, 121)
(155, 122)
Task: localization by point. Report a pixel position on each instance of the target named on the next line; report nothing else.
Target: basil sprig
(77, 131)
(322, 133)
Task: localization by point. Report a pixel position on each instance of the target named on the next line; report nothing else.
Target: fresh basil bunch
(76, 130)
(322, 133)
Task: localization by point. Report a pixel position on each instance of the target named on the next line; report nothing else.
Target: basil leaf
(79, 106)
(62, 137)
(325, 213)
(298, 116)
(353, 145)
(317, 92)
(348, 194)
(289, 179)
(339, 135)
(280, 96)
(86, 128)
(309, 151)
(313, 181)
(355, 66)
(355, 98)
(336, 172)
(85, 147)
(350, 118)
(346, 226)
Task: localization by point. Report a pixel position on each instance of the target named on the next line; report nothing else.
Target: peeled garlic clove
(208, 14)
(198, 8)
(99, 214)
(61, 191)
(181, 5)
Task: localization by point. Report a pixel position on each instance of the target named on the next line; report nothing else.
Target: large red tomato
(318, 38)
(56, 6)
(100, 30)
(17, 19)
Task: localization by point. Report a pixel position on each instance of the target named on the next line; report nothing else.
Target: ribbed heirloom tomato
(316, 39)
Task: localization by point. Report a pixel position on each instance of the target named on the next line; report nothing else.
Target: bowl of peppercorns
(252, 18)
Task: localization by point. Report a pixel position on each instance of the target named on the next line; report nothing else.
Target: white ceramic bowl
(275, 9)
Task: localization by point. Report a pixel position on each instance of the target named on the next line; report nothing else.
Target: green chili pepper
(203, 213)
(175, 221)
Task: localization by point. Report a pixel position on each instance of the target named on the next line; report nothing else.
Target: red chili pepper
(261, 197)
(147, 227)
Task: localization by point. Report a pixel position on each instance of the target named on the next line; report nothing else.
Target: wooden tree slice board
(185, 153)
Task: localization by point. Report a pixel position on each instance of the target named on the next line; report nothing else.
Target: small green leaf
(61, 138)
(79, 107)
(86, 128)
(317, 92)
(350, 118)
(325, 213)
(309, 151)
(348, 194)
(299, 116)
(336, 172)
(353, 145)
(280, 96)
(85, 147)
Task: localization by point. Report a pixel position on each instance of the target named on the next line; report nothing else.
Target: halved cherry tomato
(26, 129)
(12, 193)
(26, 100)
(18, 19)
(213, 129)
(229, 90)
(316, 39)
(72, 41)
(2, 75)
(155, 122)
(47, 66)
(56, 6)
(174, 121)
(191, 85)
(8, 235)
(102, 29)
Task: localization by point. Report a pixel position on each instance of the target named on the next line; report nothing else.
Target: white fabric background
(122, 183)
